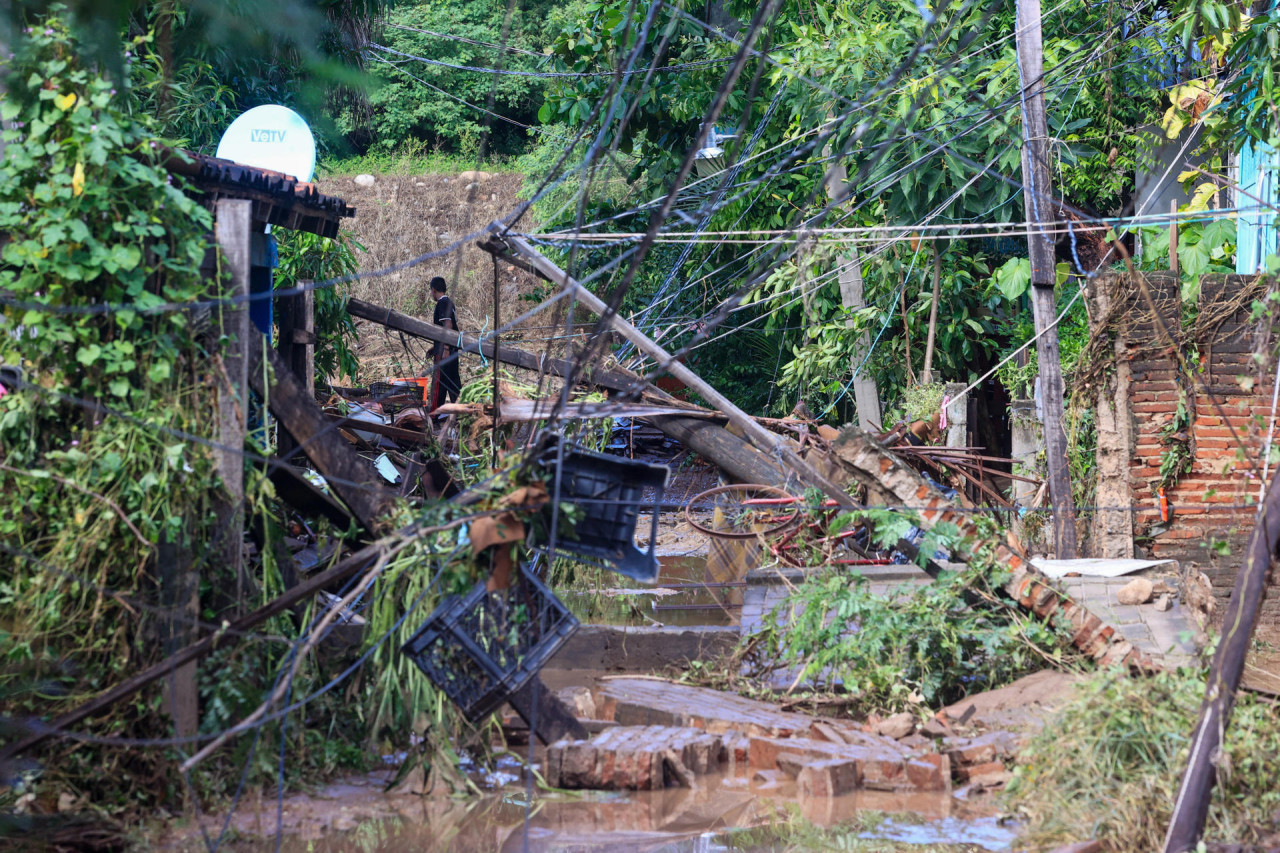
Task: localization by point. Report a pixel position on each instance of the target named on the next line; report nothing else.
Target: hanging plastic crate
(608, 493)
(482, 647)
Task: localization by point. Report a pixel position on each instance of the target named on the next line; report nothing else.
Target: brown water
(680, 597)
(356, 816)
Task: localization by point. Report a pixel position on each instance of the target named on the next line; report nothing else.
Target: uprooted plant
(929, 645)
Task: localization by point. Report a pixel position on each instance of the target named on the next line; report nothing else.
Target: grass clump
(1108, 766)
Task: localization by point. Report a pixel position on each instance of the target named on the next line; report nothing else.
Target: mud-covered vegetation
(1107, 766)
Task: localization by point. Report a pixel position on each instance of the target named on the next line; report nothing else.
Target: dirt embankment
(401, 217)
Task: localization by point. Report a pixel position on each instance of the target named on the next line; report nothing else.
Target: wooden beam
(707, 438)
(296, 345)
(613, 380)
(231, 230)
(349, 478)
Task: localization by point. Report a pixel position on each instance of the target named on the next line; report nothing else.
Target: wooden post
(926, 375)
(232, 224)
(1041, 207)
(180, 592)
(1192, 804)
(297, 346)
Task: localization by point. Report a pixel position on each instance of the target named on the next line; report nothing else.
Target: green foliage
(1203, 247)
(1107, 766)
(412, 157)
(309, 257)
(1236, 97)
(404, 109)
(189, 103)
(931, 644)
(914, 147)
(100, 471)
(91, 217)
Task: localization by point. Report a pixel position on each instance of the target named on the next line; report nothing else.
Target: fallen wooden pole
(1191, 807)
(613, 380)
(212, 642)
(708, 439)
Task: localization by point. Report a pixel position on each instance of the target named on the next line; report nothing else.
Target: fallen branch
(284, 684)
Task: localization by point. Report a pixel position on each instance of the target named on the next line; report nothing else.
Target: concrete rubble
(666, 734)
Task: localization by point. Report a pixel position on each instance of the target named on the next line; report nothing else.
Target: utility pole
(1040, 207)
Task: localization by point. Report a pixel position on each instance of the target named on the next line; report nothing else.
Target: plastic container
(608, 495)
(482, 647)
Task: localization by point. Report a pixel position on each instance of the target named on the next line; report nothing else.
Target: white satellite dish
(271, 137)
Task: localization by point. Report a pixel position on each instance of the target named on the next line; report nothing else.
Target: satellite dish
(271, 137)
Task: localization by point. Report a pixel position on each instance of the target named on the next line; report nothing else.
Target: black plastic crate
(608, 493)
(482, 647)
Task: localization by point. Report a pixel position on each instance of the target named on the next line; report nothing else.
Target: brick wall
(1228, 421)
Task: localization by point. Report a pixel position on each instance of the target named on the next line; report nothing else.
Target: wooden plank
(180, 592)
(393, 432)
(349, 478)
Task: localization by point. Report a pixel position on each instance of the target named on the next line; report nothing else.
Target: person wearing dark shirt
(447, 382)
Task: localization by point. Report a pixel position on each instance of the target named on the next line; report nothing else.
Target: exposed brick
(831, 777)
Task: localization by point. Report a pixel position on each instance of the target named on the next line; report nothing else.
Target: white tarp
(1095, 567)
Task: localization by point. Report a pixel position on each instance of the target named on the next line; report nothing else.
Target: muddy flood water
(724, 814)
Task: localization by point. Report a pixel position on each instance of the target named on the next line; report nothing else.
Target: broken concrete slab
(634, 758)
(878, 767)
(1019, 707)
(652, 702)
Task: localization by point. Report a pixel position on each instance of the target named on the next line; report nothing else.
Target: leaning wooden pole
(1192, 804)
(772, 445)
(1040, 207)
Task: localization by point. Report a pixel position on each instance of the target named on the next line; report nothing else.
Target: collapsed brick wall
(1228, 410)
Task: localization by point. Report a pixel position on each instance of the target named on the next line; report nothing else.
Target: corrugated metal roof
(278, 199)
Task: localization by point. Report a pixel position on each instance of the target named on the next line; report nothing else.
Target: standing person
(446, 383)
